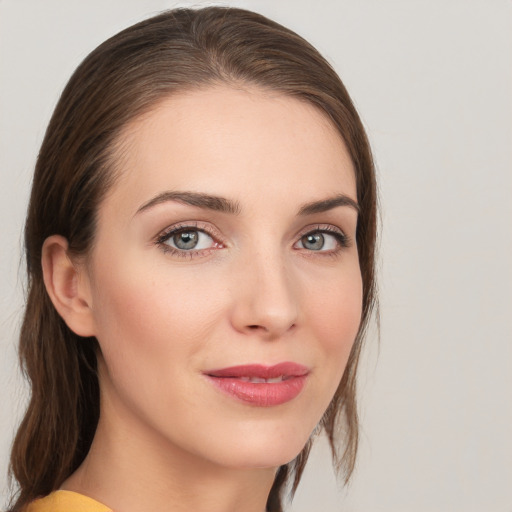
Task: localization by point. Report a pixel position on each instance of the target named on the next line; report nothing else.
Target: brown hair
(121, 79)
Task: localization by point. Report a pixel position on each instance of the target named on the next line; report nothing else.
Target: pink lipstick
(263, 386)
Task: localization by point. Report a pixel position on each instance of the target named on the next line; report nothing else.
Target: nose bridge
(266, 301)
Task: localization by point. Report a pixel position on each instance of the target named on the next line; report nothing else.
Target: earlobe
(67, 287)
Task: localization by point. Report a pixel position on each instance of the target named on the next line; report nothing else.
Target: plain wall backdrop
(432, 80)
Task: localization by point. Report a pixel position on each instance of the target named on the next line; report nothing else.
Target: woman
(200, 250)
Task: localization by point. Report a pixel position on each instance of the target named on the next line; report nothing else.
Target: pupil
(314, 242)
(186, 240)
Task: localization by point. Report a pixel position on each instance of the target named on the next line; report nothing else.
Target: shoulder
(66, 501)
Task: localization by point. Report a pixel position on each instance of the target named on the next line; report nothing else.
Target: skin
(167, 438)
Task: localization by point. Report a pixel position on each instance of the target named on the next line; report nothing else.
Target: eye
(323, 240)
(188, 241)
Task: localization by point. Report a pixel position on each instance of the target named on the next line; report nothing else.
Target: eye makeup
(198, 239)
(322, 240)
(189, 235)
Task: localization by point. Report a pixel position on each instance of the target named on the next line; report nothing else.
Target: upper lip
(286, 369)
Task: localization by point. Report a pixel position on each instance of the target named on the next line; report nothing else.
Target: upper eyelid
(192, 226)
(328, 228)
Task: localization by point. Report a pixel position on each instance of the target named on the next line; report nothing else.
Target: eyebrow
(328, 204)
(221, 204)
(206, 201)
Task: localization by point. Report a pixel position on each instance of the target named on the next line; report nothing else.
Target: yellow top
(66, 501)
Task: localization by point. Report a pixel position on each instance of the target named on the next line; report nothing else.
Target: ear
(68, 286)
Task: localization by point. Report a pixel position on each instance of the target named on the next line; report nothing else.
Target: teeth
(276, 379)
(259, 380)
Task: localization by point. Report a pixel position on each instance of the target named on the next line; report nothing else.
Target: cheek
(336, 310)
(152, 333)
(335, 316)
(140, 312)
(155, 322)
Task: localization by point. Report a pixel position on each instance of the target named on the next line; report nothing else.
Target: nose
(265, 301)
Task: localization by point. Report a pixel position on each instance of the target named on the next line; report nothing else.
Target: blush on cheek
(338, 318)
(159, 316)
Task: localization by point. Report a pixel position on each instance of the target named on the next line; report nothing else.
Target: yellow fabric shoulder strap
(66, 501)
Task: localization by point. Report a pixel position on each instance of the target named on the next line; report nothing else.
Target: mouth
(259, 385)
(259, 380)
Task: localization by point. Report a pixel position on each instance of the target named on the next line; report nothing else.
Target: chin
(265, 447)
(262, 459)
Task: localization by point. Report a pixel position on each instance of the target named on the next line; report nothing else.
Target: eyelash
(343, 241)
(180, 228)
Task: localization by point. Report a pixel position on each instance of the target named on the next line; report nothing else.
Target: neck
(131, 469)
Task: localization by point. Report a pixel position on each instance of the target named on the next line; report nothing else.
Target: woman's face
(226, 247)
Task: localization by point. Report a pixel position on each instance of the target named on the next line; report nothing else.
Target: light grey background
(433, 82)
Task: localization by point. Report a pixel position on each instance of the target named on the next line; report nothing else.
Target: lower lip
(264, 394)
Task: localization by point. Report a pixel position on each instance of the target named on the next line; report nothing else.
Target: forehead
(233, 142)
